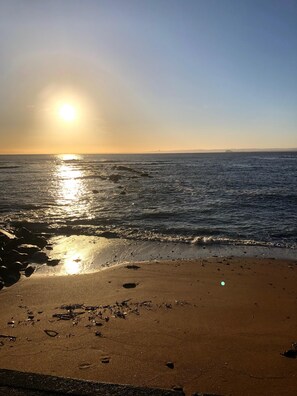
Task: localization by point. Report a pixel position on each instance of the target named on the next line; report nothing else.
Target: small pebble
(129, 285)
(170, 365)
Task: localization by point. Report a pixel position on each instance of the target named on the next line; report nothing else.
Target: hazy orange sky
(147, 75)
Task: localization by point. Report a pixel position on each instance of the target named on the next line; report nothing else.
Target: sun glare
(67, 112)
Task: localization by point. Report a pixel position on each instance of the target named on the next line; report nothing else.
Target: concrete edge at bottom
(41, 384)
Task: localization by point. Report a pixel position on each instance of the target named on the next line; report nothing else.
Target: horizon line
(186, 151)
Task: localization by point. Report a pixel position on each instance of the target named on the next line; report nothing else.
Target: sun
(67, 112)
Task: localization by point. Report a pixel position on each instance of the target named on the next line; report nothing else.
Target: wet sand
(226, 338)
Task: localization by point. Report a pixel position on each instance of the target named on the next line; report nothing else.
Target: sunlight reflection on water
(69, 157)
(70, 185)
(81, 254)
(72, 265)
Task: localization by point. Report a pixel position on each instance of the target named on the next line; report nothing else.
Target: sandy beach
(208, 325)
(148, 198)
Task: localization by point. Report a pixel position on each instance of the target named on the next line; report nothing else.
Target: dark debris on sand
(291, 353)
(97, 315)
(90, 316)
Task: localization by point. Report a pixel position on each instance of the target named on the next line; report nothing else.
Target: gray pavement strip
(19, 383)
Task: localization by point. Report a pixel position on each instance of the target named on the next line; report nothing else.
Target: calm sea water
(221, 198)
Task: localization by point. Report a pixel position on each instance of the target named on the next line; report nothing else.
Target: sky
(147, 75)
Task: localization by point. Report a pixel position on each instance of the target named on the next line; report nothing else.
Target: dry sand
(222, 339)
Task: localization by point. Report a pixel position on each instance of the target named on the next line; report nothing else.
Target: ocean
(205, 198)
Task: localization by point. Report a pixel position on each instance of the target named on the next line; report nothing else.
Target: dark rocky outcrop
(31, 238)
(10, 256)
(28, 248)
(6, 237)
(53, 262)
(29, 271)
(39, 257)
(19, 248)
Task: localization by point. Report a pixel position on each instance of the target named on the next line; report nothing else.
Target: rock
(130, 285)
(105, 360)
(115, 178)
(15, 266)
(52, 262)
(14, 255)
(14, 243)
(6, 236)
(11, 278)
(51, 333)
(24, 233)
(132, 266)
(29, 271)
(170, 365)
(123, 192)
(16, 251)
(1, 283)
(28, 248)
(290, 353)
(31, 238)
(41, 242)
(3, 271)
(24, 265)
(95, 191)
(39, 257)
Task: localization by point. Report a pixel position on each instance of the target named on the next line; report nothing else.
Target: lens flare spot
(223, 283)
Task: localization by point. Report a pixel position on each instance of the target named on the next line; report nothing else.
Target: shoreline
(86, 254)
(225, 339)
